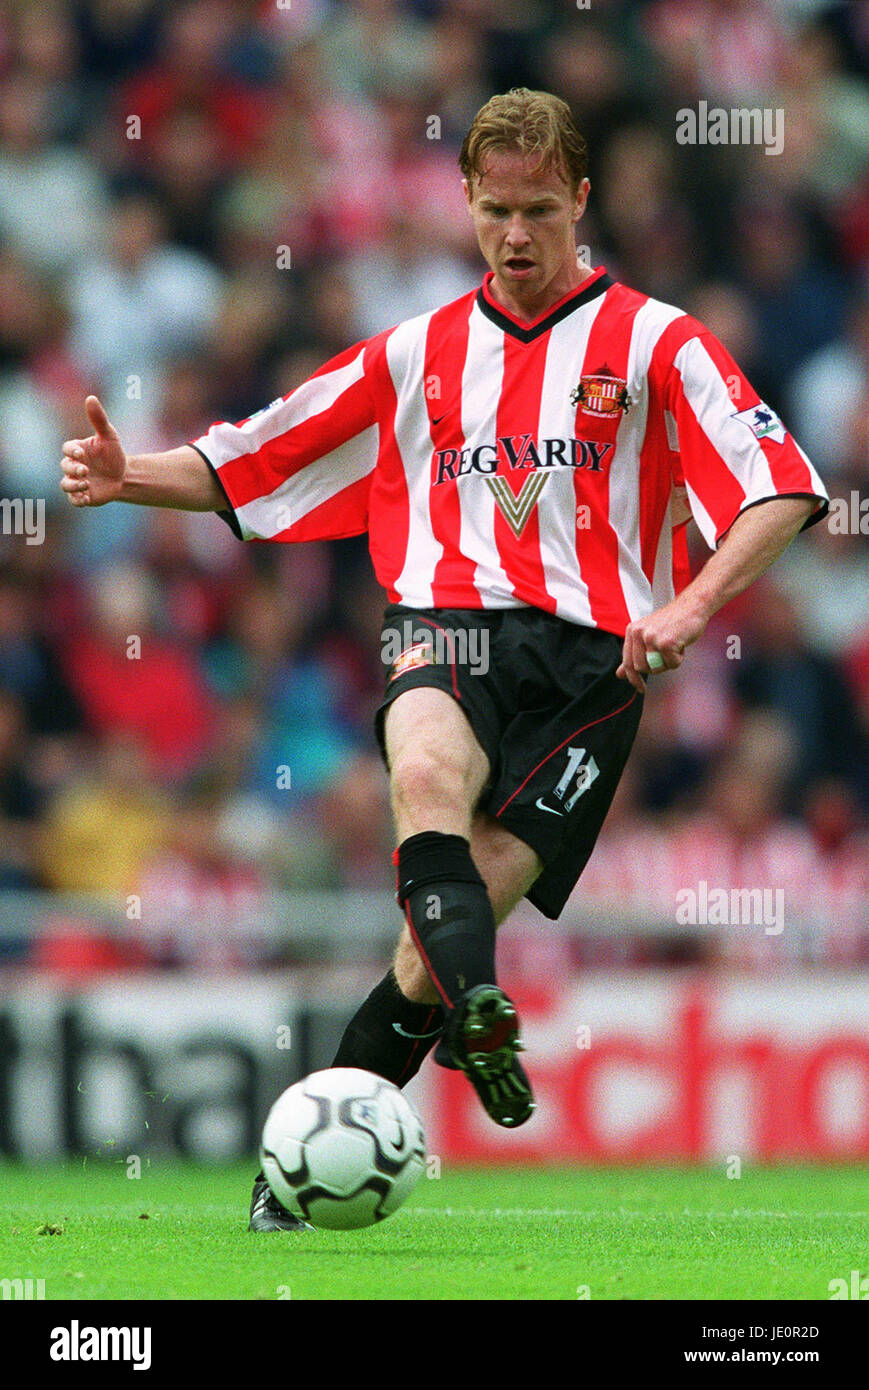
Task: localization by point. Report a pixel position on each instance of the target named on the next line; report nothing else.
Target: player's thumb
(99, 419)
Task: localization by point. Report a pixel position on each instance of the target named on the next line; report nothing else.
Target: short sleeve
(734, 450)
(300, 469)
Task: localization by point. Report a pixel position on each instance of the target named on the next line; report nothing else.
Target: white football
(343, 1148)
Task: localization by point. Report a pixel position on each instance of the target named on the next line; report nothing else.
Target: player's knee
(413, 978)
(422, 780)
(507, 865)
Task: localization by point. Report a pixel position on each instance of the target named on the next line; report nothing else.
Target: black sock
(390, 1034)
(448, 912)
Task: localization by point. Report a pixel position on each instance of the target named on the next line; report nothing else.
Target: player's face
(525, 220)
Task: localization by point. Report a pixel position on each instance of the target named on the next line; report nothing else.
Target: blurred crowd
(200, 202)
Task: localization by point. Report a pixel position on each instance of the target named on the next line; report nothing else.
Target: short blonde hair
(535, 123)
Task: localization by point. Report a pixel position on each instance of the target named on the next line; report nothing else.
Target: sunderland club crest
(601, 394)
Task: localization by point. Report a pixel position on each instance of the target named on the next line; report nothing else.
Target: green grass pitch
(179, 1232)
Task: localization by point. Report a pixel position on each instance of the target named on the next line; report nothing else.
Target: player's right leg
(438, 770)
(401, 1020)
(508, 868)
(484, 1037)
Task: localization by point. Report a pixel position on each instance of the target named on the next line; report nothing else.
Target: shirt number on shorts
(579, 775)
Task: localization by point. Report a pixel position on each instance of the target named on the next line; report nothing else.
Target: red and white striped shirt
(496, 464)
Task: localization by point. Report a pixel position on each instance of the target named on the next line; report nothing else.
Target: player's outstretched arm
(96, 470)
(757, 538)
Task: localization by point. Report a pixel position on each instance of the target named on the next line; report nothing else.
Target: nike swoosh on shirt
(548, 808)
(398, 1028)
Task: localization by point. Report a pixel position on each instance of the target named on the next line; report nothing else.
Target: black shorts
(543, 700)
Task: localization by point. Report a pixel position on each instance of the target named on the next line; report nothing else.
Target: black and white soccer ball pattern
(343, 1148)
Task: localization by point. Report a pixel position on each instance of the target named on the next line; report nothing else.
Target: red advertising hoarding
(634, 1067)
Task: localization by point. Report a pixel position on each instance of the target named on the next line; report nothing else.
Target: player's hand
(668, 632)
(93, 468)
